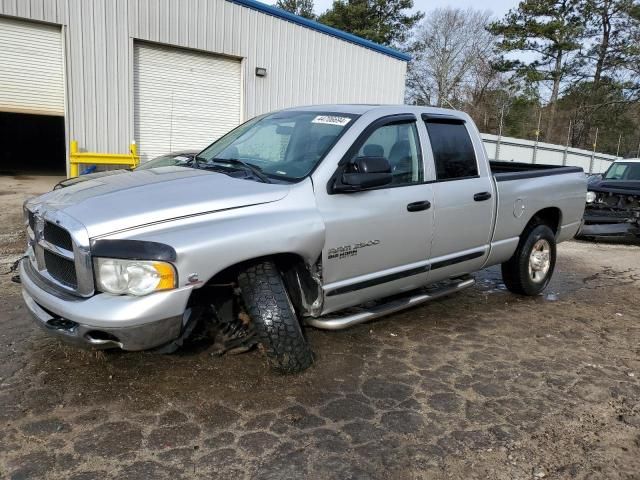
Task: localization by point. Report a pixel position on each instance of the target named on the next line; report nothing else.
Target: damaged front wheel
(269, 306)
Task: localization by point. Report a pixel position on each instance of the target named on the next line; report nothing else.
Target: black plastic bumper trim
(454, 260)
(378, 281)
(402, 274)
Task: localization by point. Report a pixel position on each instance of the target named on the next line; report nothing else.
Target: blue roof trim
(334, 32)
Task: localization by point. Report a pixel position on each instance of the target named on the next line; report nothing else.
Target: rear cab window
(453, 152)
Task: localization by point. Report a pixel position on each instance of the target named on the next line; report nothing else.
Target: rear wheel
(267, 302)
(529, 270)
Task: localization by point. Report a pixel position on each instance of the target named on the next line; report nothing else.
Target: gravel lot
(484, 384)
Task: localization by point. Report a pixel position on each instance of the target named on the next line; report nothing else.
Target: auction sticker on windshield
(331, 120)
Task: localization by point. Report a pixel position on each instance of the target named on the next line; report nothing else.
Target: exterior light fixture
(261, 72)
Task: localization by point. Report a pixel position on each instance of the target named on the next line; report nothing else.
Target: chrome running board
(363, 314)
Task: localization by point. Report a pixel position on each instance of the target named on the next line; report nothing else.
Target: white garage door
(31, 68)
(183, 100)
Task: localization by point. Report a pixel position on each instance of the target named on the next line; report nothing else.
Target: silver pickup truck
(326, 216)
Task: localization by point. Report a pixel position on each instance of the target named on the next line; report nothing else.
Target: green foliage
(304, 8)
(588, 52)
(611, 121)
(549, 29)
(519, 105)
(613, 28)
(521, 120)
(570, 66)
(387, 22)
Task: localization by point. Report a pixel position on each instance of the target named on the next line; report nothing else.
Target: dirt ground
(483, 384)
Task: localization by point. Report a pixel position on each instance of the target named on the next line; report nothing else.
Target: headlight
(591, 197)
(133, 277)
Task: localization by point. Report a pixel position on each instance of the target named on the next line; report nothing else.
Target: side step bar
(364, 314)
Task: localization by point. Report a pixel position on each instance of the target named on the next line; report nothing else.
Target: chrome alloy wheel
(540, 261)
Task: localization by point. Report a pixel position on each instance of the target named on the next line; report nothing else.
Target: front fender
(208, 244)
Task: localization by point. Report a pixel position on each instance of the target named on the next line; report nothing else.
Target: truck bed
(523, 189)
(504, 171)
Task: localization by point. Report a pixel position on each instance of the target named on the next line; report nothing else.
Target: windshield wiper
(254, 169)
(196, 161)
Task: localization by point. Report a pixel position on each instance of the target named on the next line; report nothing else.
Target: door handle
(418, 206)
(482, 196)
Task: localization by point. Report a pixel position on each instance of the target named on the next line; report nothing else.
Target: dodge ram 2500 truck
(326, 216)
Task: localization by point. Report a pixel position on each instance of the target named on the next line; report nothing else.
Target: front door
(378, 240)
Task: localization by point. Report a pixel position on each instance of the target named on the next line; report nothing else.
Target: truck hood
(118, 202)
(621, 187)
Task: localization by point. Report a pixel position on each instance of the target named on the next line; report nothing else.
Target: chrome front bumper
(105, 321)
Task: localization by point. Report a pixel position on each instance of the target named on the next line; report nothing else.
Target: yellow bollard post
(73, 167)
(133, 149)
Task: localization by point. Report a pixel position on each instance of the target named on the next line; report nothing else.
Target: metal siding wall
(51, 11)
(519, 150)
(303, 66)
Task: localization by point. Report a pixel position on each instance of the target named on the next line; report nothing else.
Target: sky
(497, 7)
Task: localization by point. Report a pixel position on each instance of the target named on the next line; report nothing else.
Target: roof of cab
(360, 109)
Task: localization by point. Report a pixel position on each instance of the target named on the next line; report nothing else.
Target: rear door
(463, 199)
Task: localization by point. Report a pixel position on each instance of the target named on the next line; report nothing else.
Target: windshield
(623, 171)
(285, 145)
(173, 159)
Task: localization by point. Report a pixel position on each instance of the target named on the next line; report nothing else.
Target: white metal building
(168, 74)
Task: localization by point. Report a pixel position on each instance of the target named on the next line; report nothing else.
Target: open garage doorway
(32, 105)
(32, 144)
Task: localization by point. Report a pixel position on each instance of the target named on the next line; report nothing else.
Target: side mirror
(363, 173)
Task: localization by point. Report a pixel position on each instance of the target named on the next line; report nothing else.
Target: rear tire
(529, 270)
(267, 302)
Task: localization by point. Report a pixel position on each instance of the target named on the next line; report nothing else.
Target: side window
(399, 144)
(452, 150)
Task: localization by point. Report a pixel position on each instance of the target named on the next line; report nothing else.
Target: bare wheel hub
(540, 260)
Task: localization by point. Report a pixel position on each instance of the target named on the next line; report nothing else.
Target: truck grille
(32, 221)
(61, 269)
(57, 236)
(61, 254)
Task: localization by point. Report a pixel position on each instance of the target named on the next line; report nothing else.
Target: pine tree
(387, 22)
(304, 8)
(552, 31)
